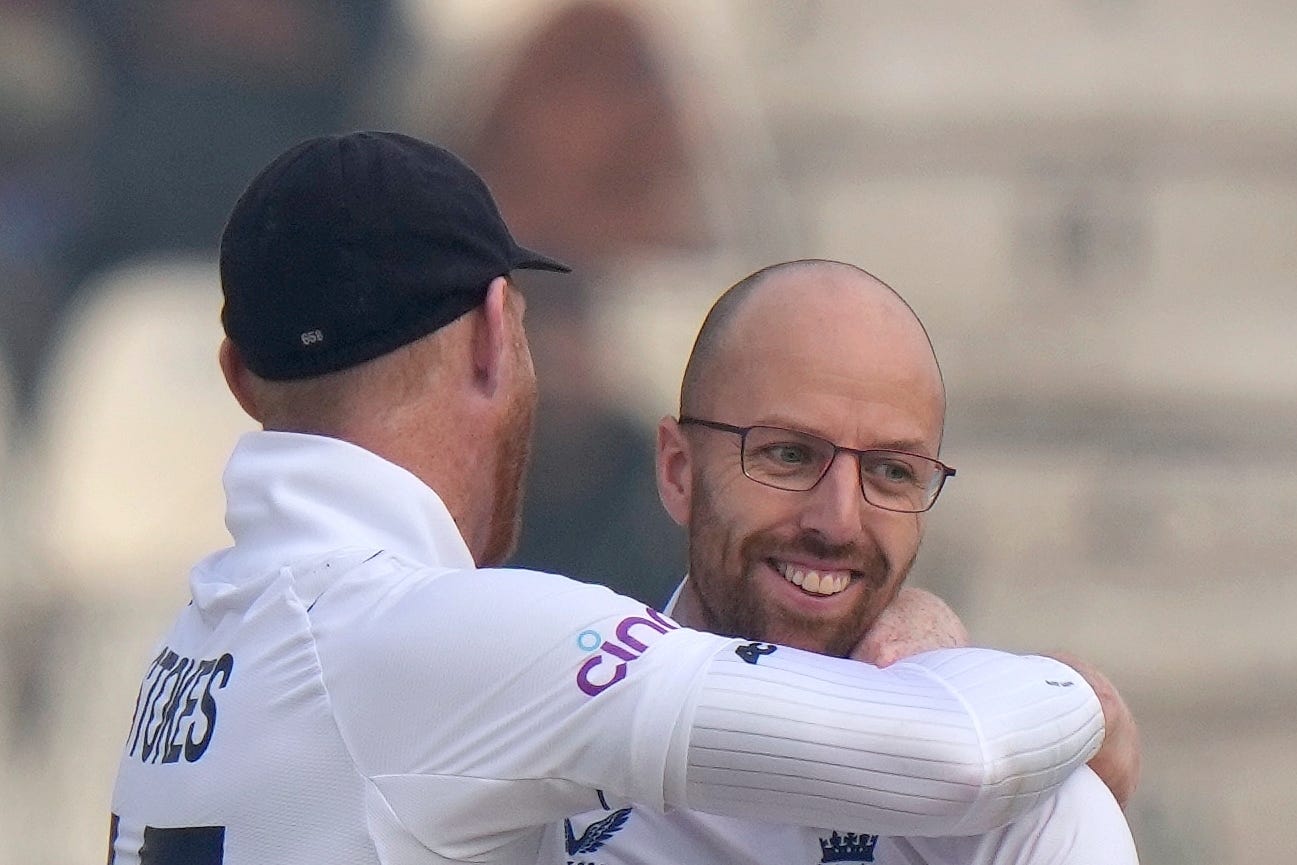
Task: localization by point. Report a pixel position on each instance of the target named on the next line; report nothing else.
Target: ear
(490, 335)
(237, 379)
(674, 470)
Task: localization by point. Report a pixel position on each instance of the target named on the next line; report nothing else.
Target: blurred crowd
(131, 127)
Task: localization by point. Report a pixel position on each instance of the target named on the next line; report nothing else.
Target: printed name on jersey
(848, 847)
(608, 665)
(175, 712)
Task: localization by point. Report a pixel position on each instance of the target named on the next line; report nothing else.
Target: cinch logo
(628, 646)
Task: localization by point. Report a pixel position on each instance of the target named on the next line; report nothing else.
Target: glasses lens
(899, 481)
(785, 459)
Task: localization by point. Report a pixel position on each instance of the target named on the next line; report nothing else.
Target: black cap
(347, 247)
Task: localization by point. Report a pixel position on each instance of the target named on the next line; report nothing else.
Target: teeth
(814, 581)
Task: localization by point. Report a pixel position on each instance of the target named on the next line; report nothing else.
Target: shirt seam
(333, 715)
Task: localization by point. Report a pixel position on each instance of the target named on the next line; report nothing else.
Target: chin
(807, 639)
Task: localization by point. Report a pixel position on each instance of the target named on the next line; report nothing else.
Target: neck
(688, 610)
(433, 446)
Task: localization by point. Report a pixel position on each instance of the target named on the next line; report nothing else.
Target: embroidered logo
(596, 834)
(847, 848)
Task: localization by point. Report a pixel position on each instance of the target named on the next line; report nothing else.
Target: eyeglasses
(796, 461)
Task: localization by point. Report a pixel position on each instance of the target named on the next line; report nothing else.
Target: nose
(835, 507)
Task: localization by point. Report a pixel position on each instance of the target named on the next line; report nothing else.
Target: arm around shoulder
(946, 743)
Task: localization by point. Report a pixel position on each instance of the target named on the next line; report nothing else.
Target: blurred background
(1092, 205)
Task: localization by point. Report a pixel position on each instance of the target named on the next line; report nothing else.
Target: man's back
(236, 693)
(352, 706)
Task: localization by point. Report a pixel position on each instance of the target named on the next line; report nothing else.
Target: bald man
(803, 463)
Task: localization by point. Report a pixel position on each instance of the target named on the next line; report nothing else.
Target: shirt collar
(291, 496)
(670, 607)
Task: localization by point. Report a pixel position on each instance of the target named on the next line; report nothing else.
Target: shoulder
(392, 608)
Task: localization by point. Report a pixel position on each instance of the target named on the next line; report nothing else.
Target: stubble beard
(723, 569)
(514, 453)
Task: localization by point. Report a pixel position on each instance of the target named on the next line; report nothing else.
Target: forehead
(834, 353)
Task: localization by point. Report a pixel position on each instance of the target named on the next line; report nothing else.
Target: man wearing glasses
(803, 464)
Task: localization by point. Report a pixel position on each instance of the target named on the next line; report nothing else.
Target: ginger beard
(513, 452)
(723, 566)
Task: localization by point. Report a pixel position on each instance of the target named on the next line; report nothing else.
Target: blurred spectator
(49, 98)
(591, 508)
(586, 152)
(584, 146)
(132, 126)
(201, 93)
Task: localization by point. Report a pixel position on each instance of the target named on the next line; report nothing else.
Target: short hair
(326, 404)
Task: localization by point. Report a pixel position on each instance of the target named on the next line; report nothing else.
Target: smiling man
(804, 462)
(793, 368)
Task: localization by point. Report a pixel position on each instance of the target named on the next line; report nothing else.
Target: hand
(1118, 760)
(915, 621)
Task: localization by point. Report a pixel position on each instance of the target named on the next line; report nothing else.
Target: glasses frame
(947, 472)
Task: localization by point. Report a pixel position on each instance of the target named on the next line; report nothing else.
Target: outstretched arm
(955, 742)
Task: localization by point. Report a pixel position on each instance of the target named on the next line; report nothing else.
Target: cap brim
(528, 259)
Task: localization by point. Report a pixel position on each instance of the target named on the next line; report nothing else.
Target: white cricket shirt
(1080, 825)
(346, 687)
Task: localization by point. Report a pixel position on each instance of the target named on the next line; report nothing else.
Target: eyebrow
(913, 446)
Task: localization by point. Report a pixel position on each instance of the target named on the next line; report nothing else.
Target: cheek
(526, 369)
(731, 514)
(898, 536)
(522, 354)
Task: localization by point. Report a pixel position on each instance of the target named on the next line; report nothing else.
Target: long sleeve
(954, 742)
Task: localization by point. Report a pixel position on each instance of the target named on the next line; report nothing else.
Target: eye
(780, 453)
(787, 453)
(891, 470)
(780, 456)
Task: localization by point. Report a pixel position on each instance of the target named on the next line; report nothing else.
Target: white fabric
(346, 687)
(903, 729)
(1080, 825)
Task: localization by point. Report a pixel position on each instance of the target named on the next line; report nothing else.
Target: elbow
(1007, 780)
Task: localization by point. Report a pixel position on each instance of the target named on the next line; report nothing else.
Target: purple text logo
(608, 666)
